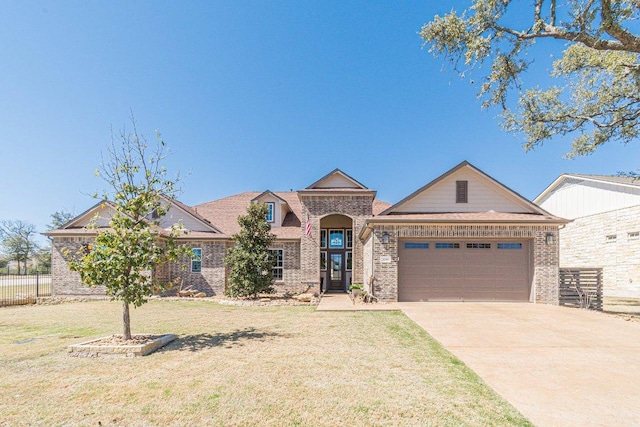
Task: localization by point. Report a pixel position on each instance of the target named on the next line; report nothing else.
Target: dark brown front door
(336, 271)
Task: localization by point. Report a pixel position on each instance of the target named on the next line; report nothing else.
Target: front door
(336, 271)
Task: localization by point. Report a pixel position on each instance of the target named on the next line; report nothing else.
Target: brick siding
(65, 282)
(358, 208)
(545, 257)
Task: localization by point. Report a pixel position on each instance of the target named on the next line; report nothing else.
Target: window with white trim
(323, 238)
(611, 238)
(348, 238)
(634, 235)
(349, 263)
(323, 260)
(278, 264)
(196, 260)
(270, 210)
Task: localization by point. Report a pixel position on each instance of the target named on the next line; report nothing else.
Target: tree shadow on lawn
(227, 340)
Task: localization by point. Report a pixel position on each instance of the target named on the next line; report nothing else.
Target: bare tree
(18, 241)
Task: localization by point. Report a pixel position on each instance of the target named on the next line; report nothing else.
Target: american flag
(308, 230)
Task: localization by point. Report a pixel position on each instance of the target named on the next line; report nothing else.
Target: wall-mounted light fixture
(385, 237)
(550, 239)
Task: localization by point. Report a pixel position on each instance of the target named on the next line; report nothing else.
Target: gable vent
(461, 191)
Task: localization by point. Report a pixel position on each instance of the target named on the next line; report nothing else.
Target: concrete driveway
(558, 366)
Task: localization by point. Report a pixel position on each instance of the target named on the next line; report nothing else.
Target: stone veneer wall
(359, 208)
(545, 257)
(64, 281)
(583, 243)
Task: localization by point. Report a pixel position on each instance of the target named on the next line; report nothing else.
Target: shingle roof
(224, 213)
(462, 217)
(610, 178)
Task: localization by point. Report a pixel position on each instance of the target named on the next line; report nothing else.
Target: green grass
(237, 366)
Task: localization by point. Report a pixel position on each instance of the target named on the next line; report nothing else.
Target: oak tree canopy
(595, 97)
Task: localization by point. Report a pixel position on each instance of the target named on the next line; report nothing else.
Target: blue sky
(249, 95)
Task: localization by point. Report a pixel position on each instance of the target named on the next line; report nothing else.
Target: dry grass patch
(237, 366)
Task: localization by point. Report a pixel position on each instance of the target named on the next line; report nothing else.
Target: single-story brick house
(605, 231)
(462, 237)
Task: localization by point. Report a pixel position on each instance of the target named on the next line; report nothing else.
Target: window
(509, 245)
(323, 238)
(336, 239)
(270, 207)
(196, 260)
(634, 235)
(461, 191)
(278, 264)
(155, 214)
(416, 245)
(447, 245)
(611, 238)
(349, 260)
(348, 237)
(478, 245)
(323, 260)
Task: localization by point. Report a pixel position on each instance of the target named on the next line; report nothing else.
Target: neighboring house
(462, 237)
(605, 231)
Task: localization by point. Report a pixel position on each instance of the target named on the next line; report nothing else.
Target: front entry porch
(336, 253)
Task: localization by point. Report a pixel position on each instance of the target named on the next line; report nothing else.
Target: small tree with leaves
(123, 257)
(250, 261)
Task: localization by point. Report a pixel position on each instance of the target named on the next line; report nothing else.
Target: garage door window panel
(509, 245)
(416, 245)
(447, 245)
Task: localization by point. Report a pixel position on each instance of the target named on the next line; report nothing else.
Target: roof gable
(336, 179)
(485, 194)
(269, 195)
(98, 215)
(575, 195)
(613, 183)
(178, 212)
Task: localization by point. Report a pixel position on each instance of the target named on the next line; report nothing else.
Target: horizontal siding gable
(337, 180)
(176, 215)
(576, 198)
(483, 196)
(99, 216)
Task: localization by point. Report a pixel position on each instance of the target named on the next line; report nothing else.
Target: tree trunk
(126, 321)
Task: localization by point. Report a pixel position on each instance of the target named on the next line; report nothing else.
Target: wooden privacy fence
(581, 287)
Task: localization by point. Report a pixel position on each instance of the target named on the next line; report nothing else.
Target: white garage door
(470, 270)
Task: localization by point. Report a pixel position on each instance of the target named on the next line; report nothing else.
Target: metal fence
(581, 287)
(24, 289)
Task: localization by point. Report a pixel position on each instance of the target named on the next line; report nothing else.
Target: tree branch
(615, 30)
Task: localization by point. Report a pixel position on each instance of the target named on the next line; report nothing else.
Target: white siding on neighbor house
(576, 198)
(337, 181)
(483, 196)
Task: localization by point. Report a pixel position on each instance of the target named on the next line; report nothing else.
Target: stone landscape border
(94, 349)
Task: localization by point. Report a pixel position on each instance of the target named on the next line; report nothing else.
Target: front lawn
(237, 366)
